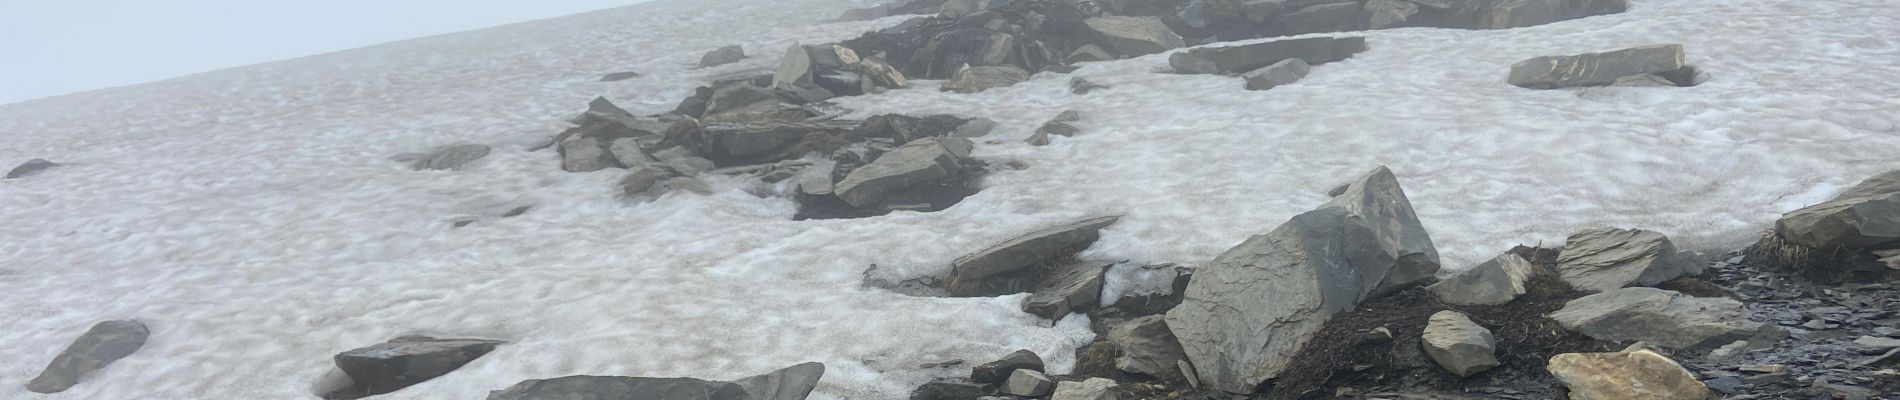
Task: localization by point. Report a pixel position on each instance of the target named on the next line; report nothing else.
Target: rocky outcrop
(1016, 265)
(30, 167)
(406, 361)
(792, 383)
(1028, 383)
(977, 79)
(1091, 389)
(1639, 374)
(1250, 310)
(1866, 215)
(452, 157)
(1459, 345)
(1134, 36)
(1658, 317)
(1147, 347)
(1001, 369)
(1066, 288)
(722, 56)
(1244, 58)
(1603, 259)
(1596, 69)
(1281, 73)
(100, 346)
(1492, 283)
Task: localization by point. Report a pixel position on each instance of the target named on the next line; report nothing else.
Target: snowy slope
(253, 219)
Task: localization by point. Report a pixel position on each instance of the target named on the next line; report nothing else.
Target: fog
(58, 47)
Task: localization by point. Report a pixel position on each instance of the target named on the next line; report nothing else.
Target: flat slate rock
(1603, 259)
(1657, 317)
(919, 162)
(30, 168)
(970, 274)
(1866, 215)
(1596, 69)
(452, 157)
(792, 383)
(1249, 57)
(1492, 283)
(1000, 370)
(1135, 36)
(408, 360)
(105, 343)
(1641, 374)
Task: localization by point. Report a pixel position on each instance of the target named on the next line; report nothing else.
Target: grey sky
(53, 47)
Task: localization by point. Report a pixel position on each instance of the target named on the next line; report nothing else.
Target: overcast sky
(53, 47)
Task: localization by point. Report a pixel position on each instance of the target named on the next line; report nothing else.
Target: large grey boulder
(1147, 347)
(1069, 287)
(792, 383)
(408, 360)
(452, 157)
(918, 162)
(997, 270)
(1028, 383)
(1492, 283)
(30, 167)
(1596, 69)
(1603, 259)
(1460, 346)
(1247, 312)
(976, 79)
(1866, 215)
(1091, 389)
(1658, 317)
(1640, 374)
(1135, 36)
(105, 343)
(1281, 73)
(1001, 369)
(722, 56)
(1243, 58)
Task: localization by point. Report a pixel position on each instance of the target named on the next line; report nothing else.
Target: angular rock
(1688, 76)
(1028, 383)
(976, 79)
(1071, 287)
(1147, 347)
(1083, 86)
(1134, 36)
(105, 343)
(1867, 215)
(695, 106)
(792, 383)
(1271, 76)
(882, 75)
(1658, 317)
(620, 387)
(722, 56)
(1603, 259)
(1633, 375)
(619, 76)
(1875, 345)
(1091, 389)
(999, 269)
(1595, 69)
(1333, 17)
(1243, 58)
(1492, 283)
(794, 70)
(726, 143)
(918, 162)
(1000, 370)
(682, 161)
(975, 127)
(408, 360)
(947, 52)
(951, 391)
(452, 157)
(1506, 14)
(1459, 345)
(1040, 138)
(584, 154)
(735, 97)
(1089, 53)
(30, 167)
(1247, 312)
(641, 182)
(1389, 13)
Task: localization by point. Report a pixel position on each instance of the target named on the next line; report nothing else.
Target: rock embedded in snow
(1069, 287)
(1011, 266)
(1091, 389)
(975, 127)
(1147, 347)
(619, 76)
(1459, 345)
(792, 383)
(1658, 317)
(408, 360)
(1639, 374)
(1089, 53)
(1247, 312)
(1866, 215)
(642, 181)
(919, 162)
(1492, 283)
(1281, 73)
(1083, 86)
(722, 56)
(1319, 18)
(452, 157)
(952, 391)
(1243, 58)
(100, 346)
(1604, 259)
(584, 154)
(1000, 370)
(880, 75)
(977, 79)
(1644, 80)
(1596, 69)
(1134, 36)
(1028, 383)
(30, 167)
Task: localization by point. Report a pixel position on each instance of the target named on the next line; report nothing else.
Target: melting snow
(253, 217)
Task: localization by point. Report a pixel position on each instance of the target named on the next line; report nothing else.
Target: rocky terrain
(1349, 299)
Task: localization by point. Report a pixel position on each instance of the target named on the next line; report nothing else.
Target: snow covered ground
(253, 219)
